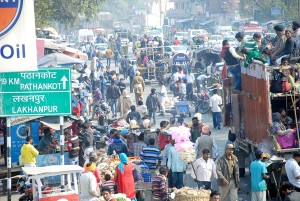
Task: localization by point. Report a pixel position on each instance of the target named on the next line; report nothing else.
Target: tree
(290, 11)
(64, 11)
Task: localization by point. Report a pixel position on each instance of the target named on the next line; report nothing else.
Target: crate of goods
(145, 172)
(190, 194)
(147, 176)
(182, 107)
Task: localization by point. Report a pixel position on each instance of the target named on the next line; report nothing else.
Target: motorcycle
(24, 187)
(202, 105)
(102, 111)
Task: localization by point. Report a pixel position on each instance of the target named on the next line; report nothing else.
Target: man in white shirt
(190, 79)
(163, 96)
(293, 170)
(203, 169)
(215, 103)
(177, 75)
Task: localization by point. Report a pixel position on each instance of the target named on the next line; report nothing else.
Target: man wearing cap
(228, 174)
(206, 141)
(138, 85)
(258, 172)
(280, 42)
(293, 170)
(153, 105)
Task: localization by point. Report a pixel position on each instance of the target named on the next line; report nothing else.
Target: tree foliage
(64, 11)
(263, 7)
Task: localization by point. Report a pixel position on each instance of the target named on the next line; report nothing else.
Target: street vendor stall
(142, 186)
(37, 174)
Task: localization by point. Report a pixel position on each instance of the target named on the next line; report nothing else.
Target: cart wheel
(190, 114)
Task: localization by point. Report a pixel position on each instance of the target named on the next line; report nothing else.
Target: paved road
(219, 135)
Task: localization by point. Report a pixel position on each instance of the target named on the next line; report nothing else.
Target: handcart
(181, 107)
(143, 187)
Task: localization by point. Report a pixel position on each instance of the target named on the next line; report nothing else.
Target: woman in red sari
(124, 177)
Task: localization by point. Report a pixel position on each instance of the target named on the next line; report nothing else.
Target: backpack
(279, 84)
(131, 71)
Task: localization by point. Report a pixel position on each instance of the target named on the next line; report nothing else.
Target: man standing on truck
(258, 175)
(240, 36)
(228, 174)
(293, 170)
(279, 44)
(231, 59)
(254, 43)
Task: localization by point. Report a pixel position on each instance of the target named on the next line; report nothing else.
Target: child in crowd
(109, 183)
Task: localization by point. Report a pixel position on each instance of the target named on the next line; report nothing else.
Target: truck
(250, 28)
(249, 113)
(223, 30)
(85, 35)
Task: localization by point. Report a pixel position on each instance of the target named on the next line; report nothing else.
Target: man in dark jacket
(290, 44)
(122, 85)
(118, 146)
(113, 94)
(153, 105)
(133, 114)
(228, 174)
(232, 62)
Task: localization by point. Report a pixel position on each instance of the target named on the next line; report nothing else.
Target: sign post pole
(8, 151)
(62, 147)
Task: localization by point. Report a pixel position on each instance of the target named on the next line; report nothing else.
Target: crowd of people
(157, 150)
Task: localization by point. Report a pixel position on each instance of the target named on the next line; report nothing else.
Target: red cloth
(97, 175)
(125, 182)
(74, 128)
(224, 49)
(176, 42)
(163, 140)
(224, 71)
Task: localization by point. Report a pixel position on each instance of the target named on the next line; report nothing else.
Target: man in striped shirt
(139, 145)
(108, 183)
(151, 155)
(254, 43)
(159, 185)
